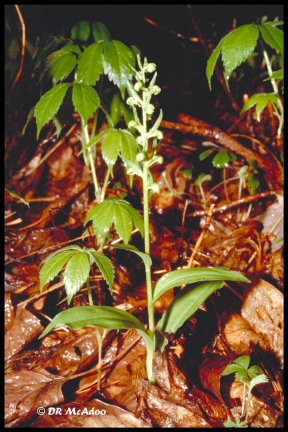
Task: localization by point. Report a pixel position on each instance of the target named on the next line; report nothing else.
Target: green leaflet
(81, 31)
(117, 212)
(186, 276)
(60, 64)
(76, 273)
(100, 31)
(273, 37)
(53, 265)
(118, 142)
(185, 304)
(260, 100)
(117, 63)
(211, 63)
(221, 159)
(105, 266)
(90, 65)
(49, 104)
(238, 45)
(85, 100)
(15, 195)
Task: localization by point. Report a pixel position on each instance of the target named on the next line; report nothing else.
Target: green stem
(89, 293)
(91, 161)
(104, 187)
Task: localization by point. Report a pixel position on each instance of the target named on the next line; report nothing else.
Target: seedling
(198, 182)
(250, 377)
(237, 46)
(139, 155)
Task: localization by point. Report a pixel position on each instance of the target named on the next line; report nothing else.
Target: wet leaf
(90, 65)
(53, 265)
(76, 274)
(60, 64)
(105, 266)
(273, 36)
(118, 142)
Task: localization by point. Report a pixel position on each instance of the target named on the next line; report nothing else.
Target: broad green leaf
(211, 63)
(243, 361)
(53, 265)
(98, 316)
(100, 31)
(185, 304)
(76, 274)
(60, 64)
(72, 48)
(255, 370)
(199, 274)
(232, 368)
(145, 258)
(49, 104)
(237, 46)
(85, 100)
(105, 266)
(117, 63)
(122, 222)
(118, 142)
(15, 195)
(260, 100)
(221, 159)
(114, 211)
(273, 37)
(259, 379)
(90, 65)
(81, 31)
(70, 247)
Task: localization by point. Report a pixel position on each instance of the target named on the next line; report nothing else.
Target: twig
(23, 44)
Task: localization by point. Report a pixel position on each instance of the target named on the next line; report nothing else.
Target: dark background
(181, 64)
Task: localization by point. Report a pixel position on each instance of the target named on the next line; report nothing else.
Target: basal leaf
(49, 104)
(98, 316)
(15, 195)
(185, 304)
(118, 59)
(60, 64)
(238, 45)
(273, 37)
(52, 267)
(90, 65)
(76, 274)
(199, 274)
(105, 266)
(81, 31)
(255, 370)
(100, 31)
(85, 100)
(259, 379)
(205, 154)
(212, 61)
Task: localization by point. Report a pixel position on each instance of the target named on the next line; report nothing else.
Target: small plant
(237, 46)
(250, 377)
(139, 155)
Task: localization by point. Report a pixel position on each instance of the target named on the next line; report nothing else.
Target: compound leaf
(273, 37)
(260, 100)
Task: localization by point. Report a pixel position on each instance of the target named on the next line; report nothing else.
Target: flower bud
(156, 90)
(150, 109)
(130, 101)
(159, 135)
(151, 67)
(137, 86)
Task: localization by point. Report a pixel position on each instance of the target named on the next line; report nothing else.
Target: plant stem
(89, 293)
(91, 161)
